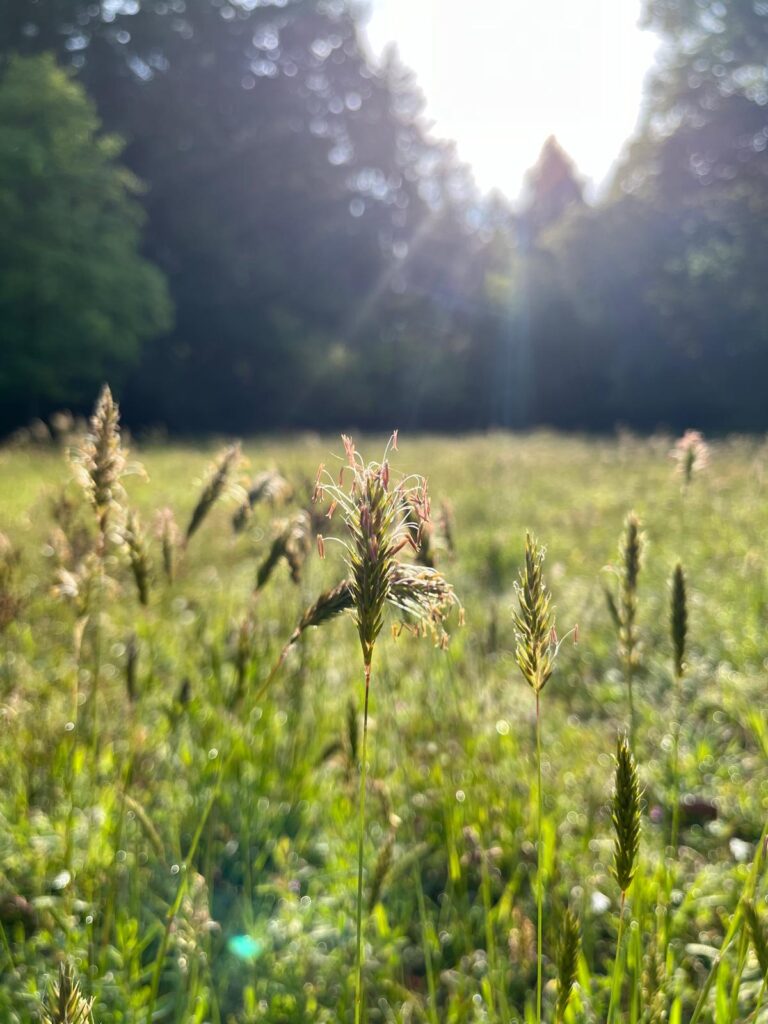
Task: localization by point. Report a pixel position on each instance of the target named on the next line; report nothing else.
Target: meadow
(179, 805)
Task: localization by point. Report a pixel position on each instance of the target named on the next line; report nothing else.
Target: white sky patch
(499, 76)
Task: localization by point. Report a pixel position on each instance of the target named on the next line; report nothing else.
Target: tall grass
(202, 863)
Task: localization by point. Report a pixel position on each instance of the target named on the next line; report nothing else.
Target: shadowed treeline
(278, 242)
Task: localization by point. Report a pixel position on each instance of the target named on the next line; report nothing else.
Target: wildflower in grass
(535, 652)
(215, 484)
(691, 453)
(567, 962)
(65, 1003)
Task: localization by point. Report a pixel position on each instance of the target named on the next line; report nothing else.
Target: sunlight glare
(499, 76)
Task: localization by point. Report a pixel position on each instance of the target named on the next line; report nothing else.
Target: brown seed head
(101, 459)
(679, 619)
(217, 477)
(535, 651)
(138, 555)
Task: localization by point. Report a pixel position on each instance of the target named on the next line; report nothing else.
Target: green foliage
(76, 299)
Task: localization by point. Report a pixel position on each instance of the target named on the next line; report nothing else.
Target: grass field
(187, 839)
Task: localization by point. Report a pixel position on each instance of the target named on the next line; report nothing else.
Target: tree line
(236, 215)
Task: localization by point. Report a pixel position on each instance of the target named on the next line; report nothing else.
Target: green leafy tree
(76, 298)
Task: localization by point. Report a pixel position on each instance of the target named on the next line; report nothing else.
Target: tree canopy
(76, 299)
(331, 262)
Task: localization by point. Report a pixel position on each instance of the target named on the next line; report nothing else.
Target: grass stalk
(539, 869)
(617, 965)
(360, 845)
(428, 967)
(675, 830)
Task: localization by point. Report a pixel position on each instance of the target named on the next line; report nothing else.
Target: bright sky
(499, 76)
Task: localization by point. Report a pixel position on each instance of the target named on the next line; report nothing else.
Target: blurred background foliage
(238, 216)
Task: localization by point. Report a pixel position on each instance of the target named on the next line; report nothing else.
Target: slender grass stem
(709, 980)
(97, 640)
(675, 786)
(7, 948)
(539, 869)
(759, 1002)
(617, 964)
(490, 941)
(631, 709)
(431, 990)
(360, 842)
(174, 909)
(740, 965)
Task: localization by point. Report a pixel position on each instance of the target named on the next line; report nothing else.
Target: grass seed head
(624, 612)
(691, 453)
(269, 486)
(381, 870)
(293, 543)
(567, 961)
(216, 481)
(535, 650)
(131, 667)
(329, 604)
(379, 518)
(138, 555)
(625, 816)
(167, 532)
(101, 460)
(679, 619)
(65, 1003)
